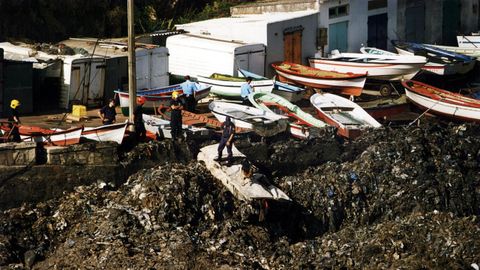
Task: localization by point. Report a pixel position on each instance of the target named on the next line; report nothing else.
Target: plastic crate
(79, 111)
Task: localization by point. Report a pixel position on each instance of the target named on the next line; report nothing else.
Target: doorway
(338, 36)
(292, 42)
(377, 31)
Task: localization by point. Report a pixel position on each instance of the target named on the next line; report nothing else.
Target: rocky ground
(393, 198)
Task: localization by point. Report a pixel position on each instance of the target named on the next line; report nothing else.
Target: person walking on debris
(176, 116)
(189, 88)
(14, 121)
(108, 113)
(140, 131)
(246, 90)
(226, 140)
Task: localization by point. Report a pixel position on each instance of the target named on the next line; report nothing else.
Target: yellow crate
(79, 111)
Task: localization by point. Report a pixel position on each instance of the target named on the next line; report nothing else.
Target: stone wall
(17, 154)
(83, 154)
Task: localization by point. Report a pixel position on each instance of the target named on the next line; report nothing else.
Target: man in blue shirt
(189, 88)
(245, 91)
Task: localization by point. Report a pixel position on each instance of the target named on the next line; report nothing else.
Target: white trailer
(83, 81)
(202, 55)
(152, 68)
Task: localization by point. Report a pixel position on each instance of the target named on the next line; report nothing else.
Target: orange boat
(341, 83)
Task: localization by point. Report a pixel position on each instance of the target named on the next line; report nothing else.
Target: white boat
(440, 62)
(473, 52)
(472, 41)
(262, 122)
(113, 133)
(228, 87)
(232, 177)
(342, 113)
(377, 66)
(442, 102)
(55, 137)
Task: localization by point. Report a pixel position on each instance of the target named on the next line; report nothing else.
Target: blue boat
(440, 62)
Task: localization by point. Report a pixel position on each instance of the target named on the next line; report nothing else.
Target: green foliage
(54, 20)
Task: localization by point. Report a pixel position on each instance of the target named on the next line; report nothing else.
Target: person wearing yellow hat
(14, 120)
(140, 131)
(176, 105)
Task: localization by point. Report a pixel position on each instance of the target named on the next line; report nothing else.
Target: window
(339, 11)
(376, 4)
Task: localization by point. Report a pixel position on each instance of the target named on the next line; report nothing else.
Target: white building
(350, 23)
(288, 36)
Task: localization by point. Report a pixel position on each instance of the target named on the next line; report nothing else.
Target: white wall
(358, 21)
(275, 48)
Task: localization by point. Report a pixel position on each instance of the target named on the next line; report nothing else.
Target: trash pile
(392, 198)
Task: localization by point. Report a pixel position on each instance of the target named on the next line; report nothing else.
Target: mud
(393, 198)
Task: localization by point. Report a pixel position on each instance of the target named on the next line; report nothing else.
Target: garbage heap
(394, 199)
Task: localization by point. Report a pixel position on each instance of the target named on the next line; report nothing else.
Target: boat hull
(379, 71)
(386, 107)
(111, 133)
(51, 137)
(442, 108)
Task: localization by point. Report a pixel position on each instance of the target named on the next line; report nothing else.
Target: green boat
(300, 121)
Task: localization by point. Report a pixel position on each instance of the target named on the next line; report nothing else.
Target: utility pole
(132, 80)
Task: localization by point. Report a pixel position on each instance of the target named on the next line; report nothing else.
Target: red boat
(48, 136)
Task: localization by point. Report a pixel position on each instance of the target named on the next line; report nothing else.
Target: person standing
(228, 133)
(108, 113)
(14, 121)
(246, 90)
(189, 88)
(176, 116)
(140, 131)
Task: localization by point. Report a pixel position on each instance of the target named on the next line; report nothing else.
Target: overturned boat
(232, 177)
(263, 123)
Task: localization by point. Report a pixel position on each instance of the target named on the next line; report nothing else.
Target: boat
(342, 113)
(473, 52)
(385, 107)
(440, 62)
(442, 102)
(160, 97)
(379, 66)
(228, 87)
(54, 137)
(290, 92)
(300, 121)
(472, 41)
(262, 122)
(342, 83)
(159, 127)
(111, 133)
(232, 177)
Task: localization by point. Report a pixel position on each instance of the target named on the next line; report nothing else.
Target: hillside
(54, 20)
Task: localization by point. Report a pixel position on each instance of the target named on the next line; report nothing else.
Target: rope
(421, 115)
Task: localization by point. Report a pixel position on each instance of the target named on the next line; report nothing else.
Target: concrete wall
(83, 154)
(274, 6)
(275, 45)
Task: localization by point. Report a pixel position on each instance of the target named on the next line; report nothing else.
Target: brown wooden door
(293, 47)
